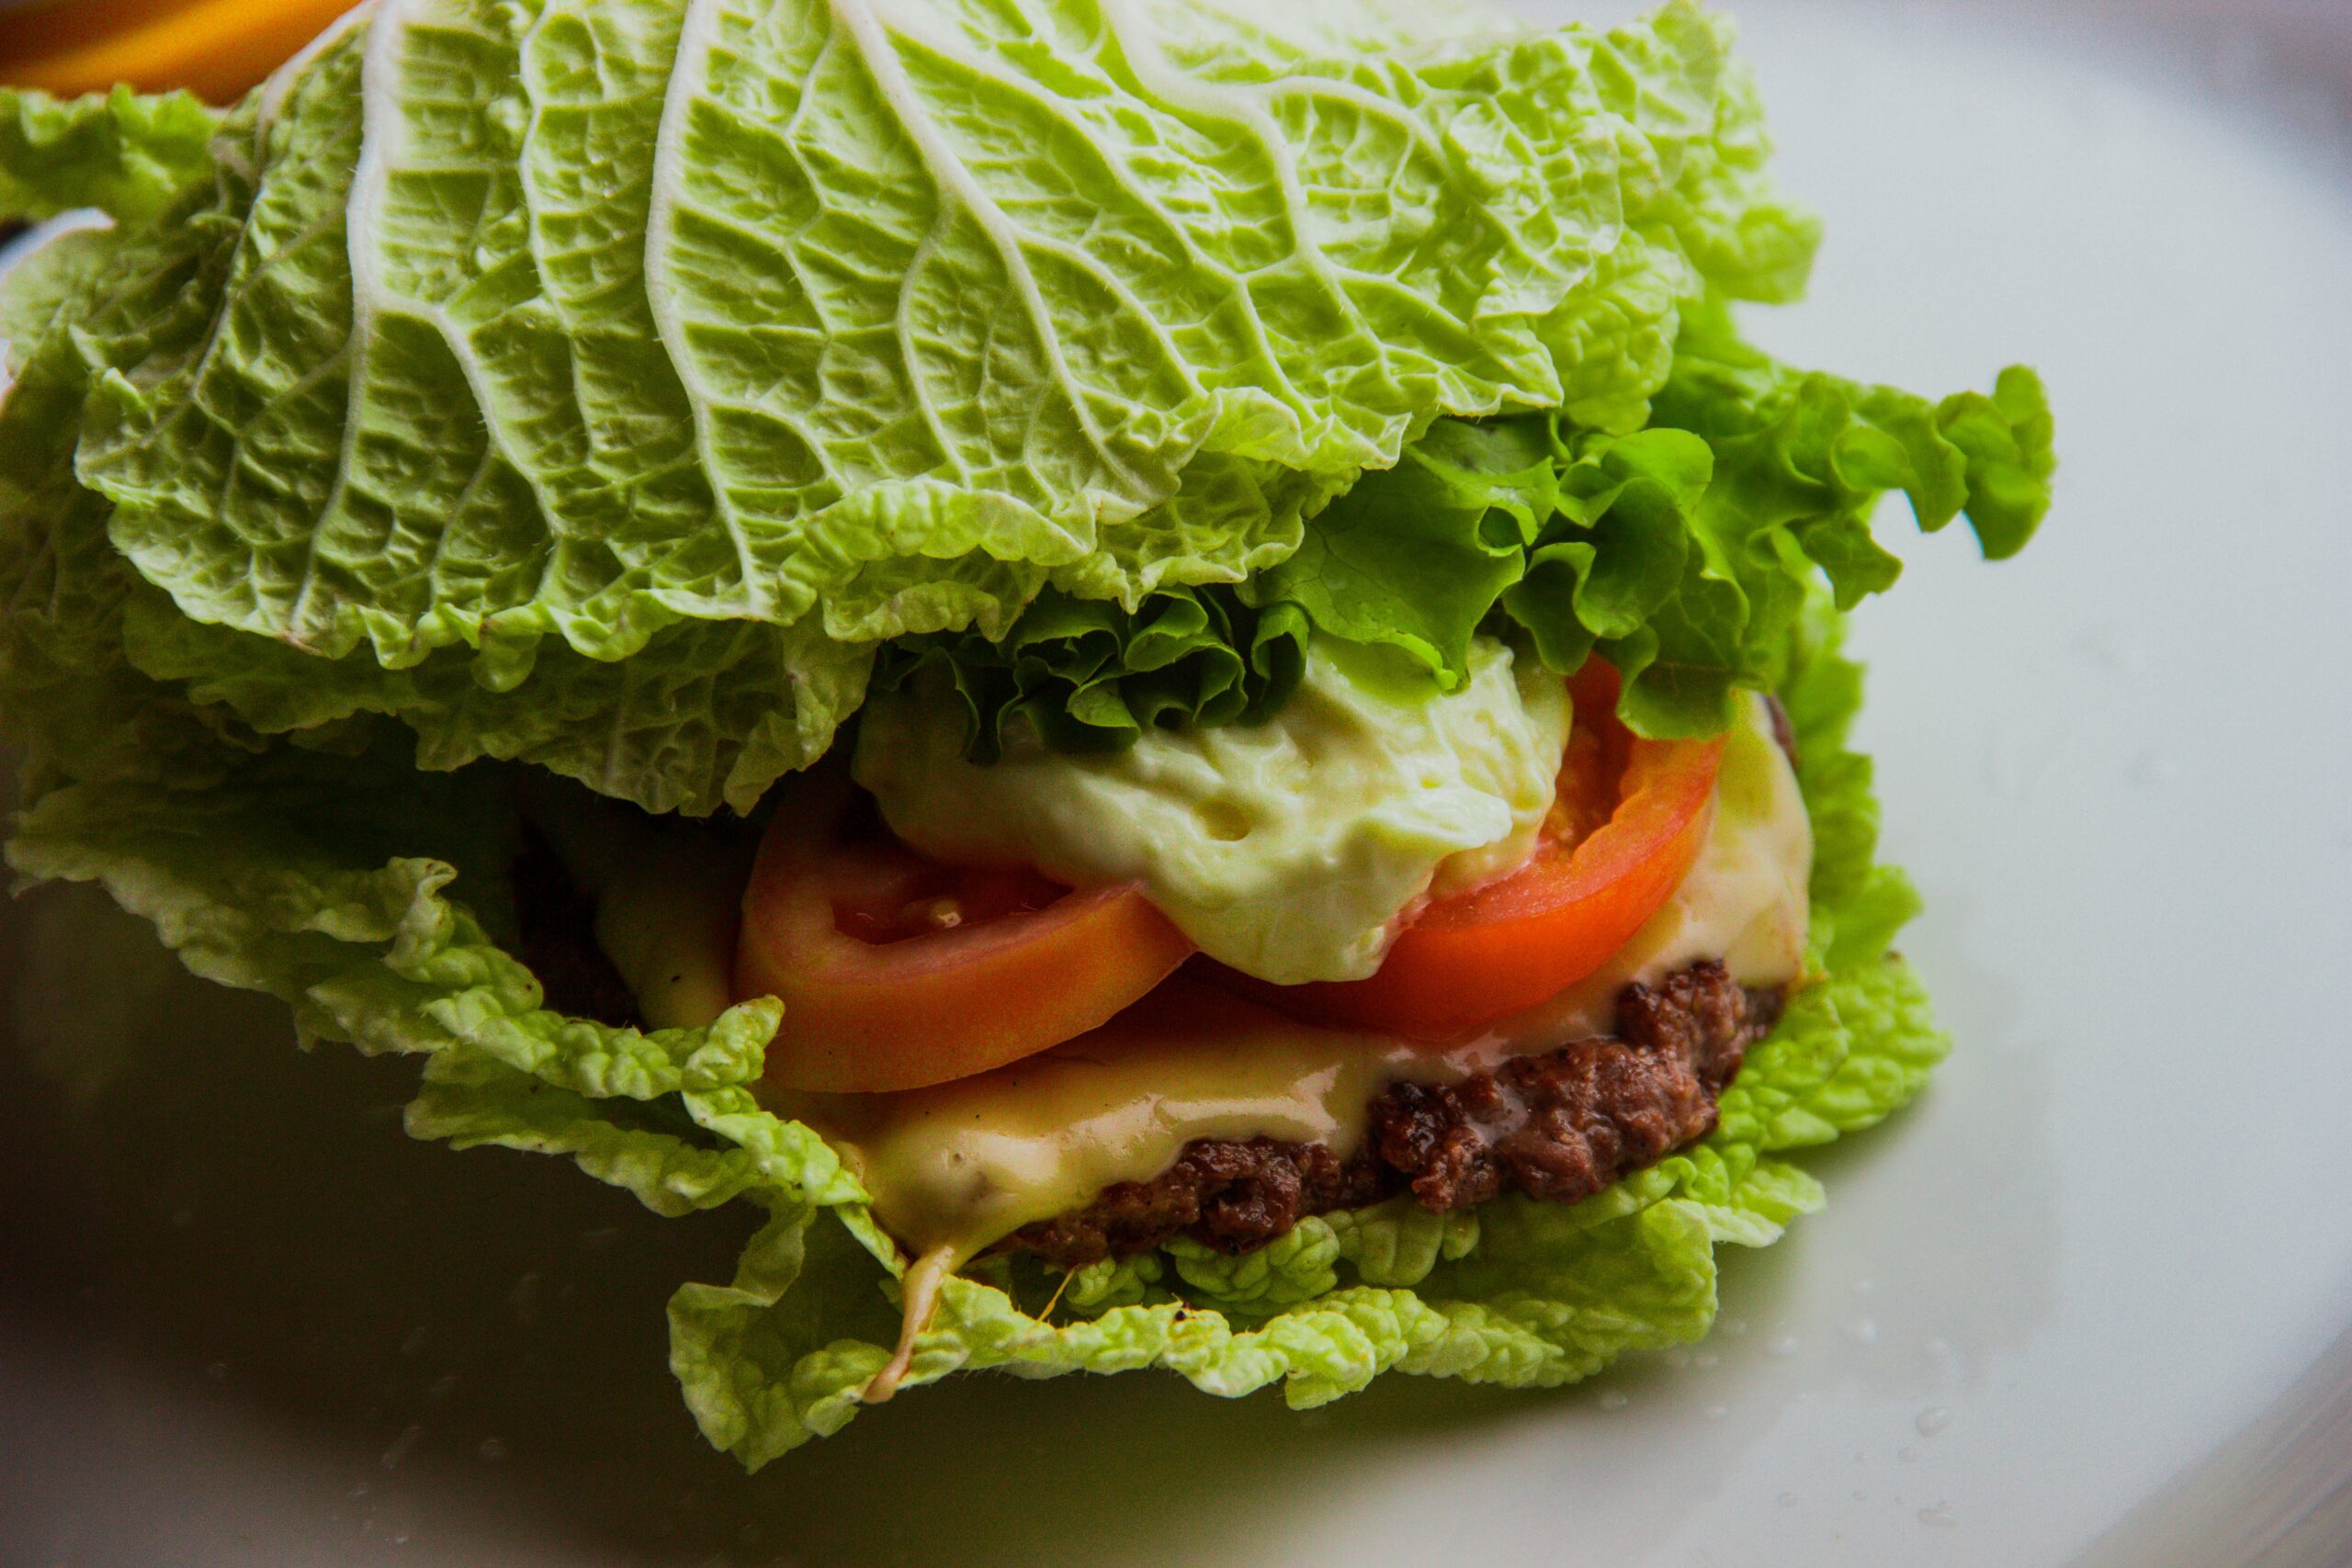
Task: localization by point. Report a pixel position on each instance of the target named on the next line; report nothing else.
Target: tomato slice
(896, 972)
(1629, 819)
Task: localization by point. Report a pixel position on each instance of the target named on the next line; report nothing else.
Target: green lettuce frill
(373, 903)
(617, 388)
(600, 383)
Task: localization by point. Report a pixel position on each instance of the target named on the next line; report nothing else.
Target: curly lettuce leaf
(264, 488)
(1085, 675)
(371, 898)
(1679, 552)
(612, 369)
(1682, 552)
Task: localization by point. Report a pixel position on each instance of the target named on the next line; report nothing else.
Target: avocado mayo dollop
(1287, 850)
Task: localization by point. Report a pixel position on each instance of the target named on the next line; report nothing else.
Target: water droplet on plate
(1786, 1345)
(1941, 1514)
(1786, 1499)
(401, 1445)
(1614, 1399)
(1863, 1331)
(1909, 1456)
(1933, 1419)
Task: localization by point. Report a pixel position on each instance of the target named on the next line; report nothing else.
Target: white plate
(2070, 1296)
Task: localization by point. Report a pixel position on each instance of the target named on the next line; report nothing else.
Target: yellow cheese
(668, 921)
(970, 1162)
(668, 894)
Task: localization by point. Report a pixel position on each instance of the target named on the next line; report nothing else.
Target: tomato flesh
(1629, 820)
(896, 972)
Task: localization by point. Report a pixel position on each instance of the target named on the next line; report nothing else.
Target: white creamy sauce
(1288, 849)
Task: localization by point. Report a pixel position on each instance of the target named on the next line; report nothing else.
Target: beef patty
(1559, 1126)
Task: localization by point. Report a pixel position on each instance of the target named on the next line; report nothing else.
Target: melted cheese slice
(967, 1163)
(954, 1169)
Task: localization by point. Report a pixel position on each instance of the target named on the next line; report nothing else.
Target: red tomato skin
(874, 1016)
(1471, 959)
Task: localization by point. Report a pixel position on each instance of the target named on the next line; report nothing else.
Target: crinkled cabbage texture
(606, 385)
(372, 899)
(600, 383)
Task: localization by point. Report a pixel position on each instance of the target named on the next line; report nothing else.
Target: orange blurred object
(215, 48)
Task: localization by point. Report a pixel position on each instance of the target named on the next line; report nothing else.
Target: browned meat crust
(1560, 1126)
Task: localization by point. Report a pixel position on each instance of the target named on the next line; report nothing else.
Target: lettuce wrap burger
(1159, 670)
